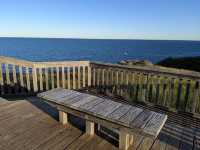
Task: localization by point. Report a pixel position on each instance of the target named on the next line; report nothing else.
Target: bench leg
(124, 140)
(131, 139)
(63, 117)
(89, 127)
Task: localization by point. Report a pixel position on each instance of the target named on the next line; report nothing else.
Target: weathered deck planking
(24, 125)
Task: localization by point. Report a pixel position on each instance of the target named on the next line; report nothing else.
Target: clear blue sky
(129, 19)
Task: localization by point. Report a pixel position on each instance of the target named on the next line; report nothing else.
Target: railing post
(179, 94)
(94, 77)
(196, 97)
(14, 78)
(165, 91)
(52, 78)
(84, 76)
(68, 78)
(28, 79)
(47, 78)
(150, 88)
(188, 86)
(7, 74)
(103, 77)
(41, 79)
(143, 87)
(111, 77)
(79, 77)
(1, 80)
(117, 78)
(34, 74)
(171, 91)
(74, 77)
(121, 82)
(98, 77)
(139, 87)
(21, 76)
(63, 77)
(106, 77)
(14, 74)
(58, 76)
(157, 89)
(127, 77)
(89, 75)
(116, 81)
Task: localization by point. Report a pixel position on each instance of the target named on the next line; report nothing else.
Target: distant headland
(188, 63)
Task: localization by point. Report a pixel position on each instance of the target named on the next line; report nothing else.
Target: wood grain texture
(105, 108)
(118, 113)
(84, 101)
(130, 115)
(76, 98)
(92, 103)
(155, 124)
(55, 93)
(25, 126)
(142, 119)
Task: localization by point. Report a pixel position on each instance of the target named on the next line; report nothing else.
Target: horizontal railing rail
(171, 88)
(172, 72)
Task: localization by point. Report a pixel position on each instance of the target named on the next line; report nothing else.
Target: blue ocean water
(50, 49)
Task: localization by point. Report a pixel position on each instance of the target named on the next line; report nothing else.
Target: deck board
(26, 124)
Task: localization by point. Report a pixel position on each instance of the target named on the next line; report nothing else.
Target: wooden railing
(18, 76)
(170, 88)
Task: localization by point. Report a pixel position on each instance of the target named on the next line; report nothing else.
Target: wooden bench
(128, 119)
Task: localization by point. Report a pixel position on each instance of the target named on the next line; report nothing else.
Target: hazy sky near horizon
(122, 19)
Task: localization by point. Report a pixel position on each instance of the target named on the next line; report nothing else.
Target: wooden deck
(29, 123)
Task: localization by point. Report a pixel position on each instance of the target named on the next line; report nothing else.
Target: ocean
(55, 49)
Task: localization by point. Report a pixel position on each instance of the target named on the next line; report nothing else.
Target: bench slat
(76, 99)
(84, 101)
(67, 98)
(122, 110)
(93, 103)
(155, 125)
(105, 108)
(142, 119)
(130, 115)
(52, 92)
(60, 95)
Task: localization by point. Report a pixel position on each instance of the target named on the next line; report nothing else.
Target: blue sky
(121, 19)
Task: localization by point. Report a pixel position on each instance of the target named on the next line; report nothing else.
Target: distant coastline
(189, 63)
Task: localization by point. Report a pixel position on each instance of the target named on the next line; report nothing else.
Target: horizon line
(148, 39)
